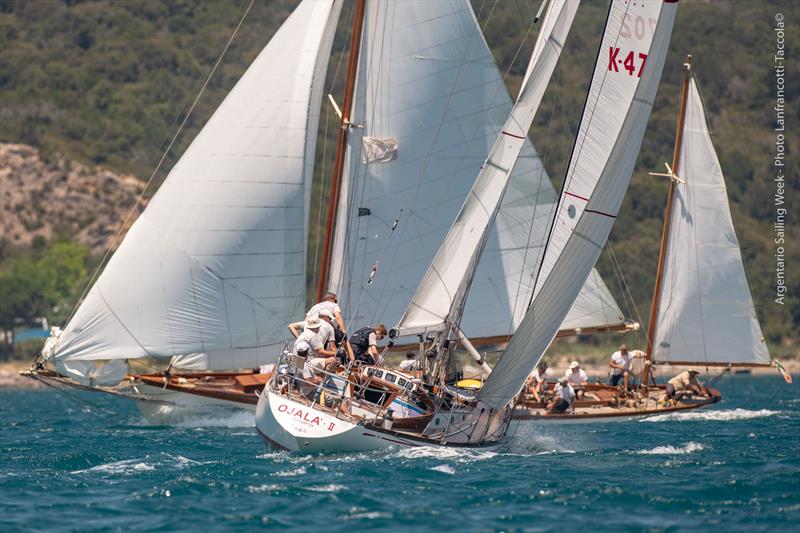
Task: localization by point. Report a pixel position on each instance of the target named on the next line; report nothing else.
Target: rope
(124, 223)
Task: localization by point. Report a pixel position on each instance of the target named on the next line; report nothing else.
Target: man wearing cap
(621, 365)
(563, 396)
(577, 378)
(537, 382)
(309, 343)
(326, 331)
(329, 301)
(682, 384)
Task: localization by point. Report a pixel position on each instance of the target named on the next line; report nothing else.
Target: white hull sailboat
(297, 403)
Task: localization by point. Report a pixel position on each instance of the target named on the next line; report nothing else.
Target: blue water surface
(733, 467)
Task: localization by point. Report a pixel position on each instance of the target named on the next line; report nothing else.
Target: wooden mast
(662, 252)
(341, 145)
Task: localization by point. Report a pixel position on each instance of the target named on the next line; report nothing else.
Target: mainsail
(427, 82)
(706, 313)
(215, 265)
(624, 84)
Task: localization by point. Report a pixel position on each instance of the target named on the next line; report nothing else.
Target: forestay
(441, 294)
(623, 87)
(427, 80)
(216, 263)
(706, 313)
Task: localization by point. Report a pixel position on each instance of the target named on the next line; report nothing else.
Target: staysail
(429, 88)
(624, 84)
(706, 313)
(215, 265)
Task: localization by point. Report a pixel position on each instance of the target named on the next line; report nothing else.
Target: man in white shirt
(308, 343)
(325, 332)
(577, 378)
(621, 365)
(563, 396)
(329, 301)
(410, 363)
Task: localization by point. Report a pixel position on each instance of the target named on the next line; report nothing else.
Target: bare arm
(294, 328)
(340, 321)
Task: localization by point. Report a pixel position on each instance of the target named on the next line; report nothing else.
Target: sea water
(71, 466)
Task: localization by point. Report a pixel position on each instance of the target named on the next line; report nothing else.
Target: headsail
(441, 295)
(706, 313)
(197, 271)
(424, 64)
(621, 94)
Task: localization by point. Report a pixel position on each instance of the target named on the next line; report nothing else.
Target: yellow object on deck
(469, 384)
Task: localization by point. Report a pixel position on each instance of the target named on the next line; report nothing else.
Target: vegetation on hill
(108, 82)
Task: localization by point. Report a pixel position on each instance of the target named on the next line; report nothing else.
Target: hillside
(106, 83)
(42, 199)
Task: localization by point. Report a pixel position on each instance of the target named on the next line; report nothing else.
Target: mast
(662, 252)
(341, 144)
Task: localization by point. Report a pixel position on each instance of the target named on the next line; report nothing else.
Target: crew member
(684, 383)
(331, 302)
(537, 382)
(563, 396)
(577, 378)
(410, 363)
(621, 365)
(365, 343)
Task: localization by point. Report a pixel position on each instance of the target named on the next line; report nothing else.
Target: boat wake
(198, 417)
(723, 415)
(689, 447)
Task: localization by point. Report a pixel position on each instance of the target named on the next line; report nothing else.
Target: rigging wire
(128, 218)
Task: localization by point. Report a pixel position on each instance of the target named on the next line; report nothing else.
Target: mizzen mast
(662, 252)
(341, 145)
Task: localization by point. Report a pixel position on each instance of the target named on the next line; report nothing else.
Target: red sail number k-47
(614, 61)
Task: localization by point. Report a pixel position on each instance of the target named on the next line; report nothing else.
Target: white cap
(573, 365)
(326, 312)
(312, 322)
(301, 346)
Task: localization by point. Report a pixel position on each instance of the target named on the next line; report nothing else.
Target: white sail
(621, 94)
(427, 80)
(441, 294)
(216, 263)
(706, 313)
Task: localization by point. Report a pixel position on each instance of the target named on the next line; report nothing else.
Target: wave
(444, 469)
(688, 447)
(431, 452)
(722, 415)
(148, 464)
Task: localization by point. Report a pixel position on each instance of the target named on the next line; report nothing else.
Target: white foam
(444, 469)
(259, 489)
(722, 415)
(119, 467)
(327, 488)
(688, 447)
(433, 452)
(291, 473)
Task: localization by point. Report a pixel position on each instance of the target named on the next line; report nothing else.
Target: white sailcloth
(427, 80)
(706, 313)
(621, 94)
(216, 263)
(441, 294)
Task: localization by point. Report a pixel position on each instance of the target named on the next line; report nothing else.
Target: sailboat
(302, 409)
(215, 268)
(702, 312)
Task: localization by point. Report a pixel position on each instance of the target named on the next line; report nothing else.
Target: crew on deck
(537, 382)
(683, 384)
(365, 343)
(577, 378)
(410, 363)
(330, 301)
(621, 365)
(309, 344)
(563, 396)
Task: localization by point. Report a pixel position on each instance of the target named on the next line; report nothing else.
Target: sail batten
(189, 278)
(609, 137)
